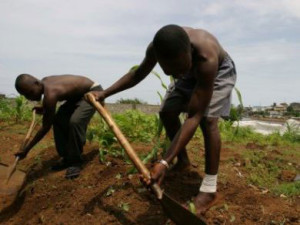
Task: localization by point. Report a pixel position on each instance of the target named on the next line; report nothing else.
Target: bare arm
(49, 106)
(135, 76)
(199, 101)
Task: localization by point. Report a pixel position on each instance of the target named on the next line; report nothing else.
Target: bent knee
(74, 122)
(163, 115)
(57, 120)
(167, 116)
(209, 123)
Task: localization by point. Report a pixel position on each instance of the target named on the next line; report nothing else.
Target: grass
(246, 134)
(265, 166)
(288, 189)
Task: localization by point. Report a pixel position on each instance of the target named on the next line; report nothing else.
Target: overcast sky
(103, 39)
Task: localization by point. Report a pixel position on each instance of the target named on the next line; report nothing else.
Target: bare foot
(204, 201)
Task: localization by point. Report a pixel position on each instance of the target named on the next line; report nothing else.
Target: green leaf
(192, 207)
(110, 191)
(232, 218)
(124, 206)
(118, 176)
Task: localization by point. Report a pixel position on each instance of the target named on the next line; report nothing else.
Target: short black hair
(20, 80)
(171, 40)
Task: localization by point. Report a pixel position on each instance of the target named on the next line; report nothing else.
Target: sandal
(72, 172)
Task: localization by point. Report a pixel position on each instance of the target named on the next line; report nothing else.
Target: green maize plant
(5, 109)
(22, 110)
(239, 109)
(99, 131)
(153, 154)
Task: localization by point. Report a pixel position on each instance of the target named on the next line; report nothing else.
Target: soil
(104, 194)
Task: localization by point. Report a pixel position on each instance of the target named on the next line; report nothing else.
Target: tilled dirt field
(104, 193)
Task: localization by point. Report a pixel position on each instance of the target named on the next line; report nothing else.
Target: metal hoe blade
(9, 190)
(11, 179)
(178, 214)
(14, 183)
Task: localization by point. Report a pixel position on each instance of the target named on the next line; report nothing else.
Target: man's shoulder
(50, 92)
(206, 44)
(202, 37)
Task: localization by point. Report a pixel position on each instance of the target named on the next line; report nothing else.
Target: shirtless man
(205, 76)
(69, 122)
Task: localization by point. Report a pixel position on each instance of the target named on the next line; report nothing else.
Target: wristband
(164, 162)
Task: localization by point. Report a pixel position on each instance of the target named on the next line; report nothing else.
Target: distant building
(269, 108)
(280, 108)
(247, 111)
(275, 110)
(295, 106)
(284, 104)
(257, 108)
(275, 114)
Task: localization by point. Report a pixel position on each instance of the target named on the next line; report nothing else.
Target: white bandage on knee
(209, 183)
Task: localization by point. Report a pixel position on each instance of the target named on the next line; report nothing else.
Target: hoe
(12, 180)
(176, 212)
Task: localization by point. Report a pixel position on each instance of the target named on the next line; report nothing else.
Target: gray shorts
(179, 93)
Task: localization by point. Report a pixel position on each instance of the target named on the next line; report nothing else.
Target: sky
(103, 39)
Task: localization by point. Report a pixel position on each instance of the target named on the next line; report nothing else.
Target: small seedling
(192, 207)
(118, 176)
(38, 160)
(102, 153)
(110, 191)
(232, 218)
(124, 206)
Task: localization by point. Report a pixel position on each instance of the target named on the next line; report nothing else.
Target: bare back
(204, 41)
(66, 87)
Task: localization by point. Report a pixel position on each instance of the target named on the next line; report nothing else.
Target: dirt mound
(287, 175)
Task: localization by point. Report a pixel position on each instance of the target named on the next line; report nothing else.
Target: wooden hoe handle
(12, 168)
(125, 144)
(29, 132)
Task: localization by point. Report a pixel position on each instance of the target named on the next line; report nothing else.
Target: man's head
(173, 50)
(29, 86)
